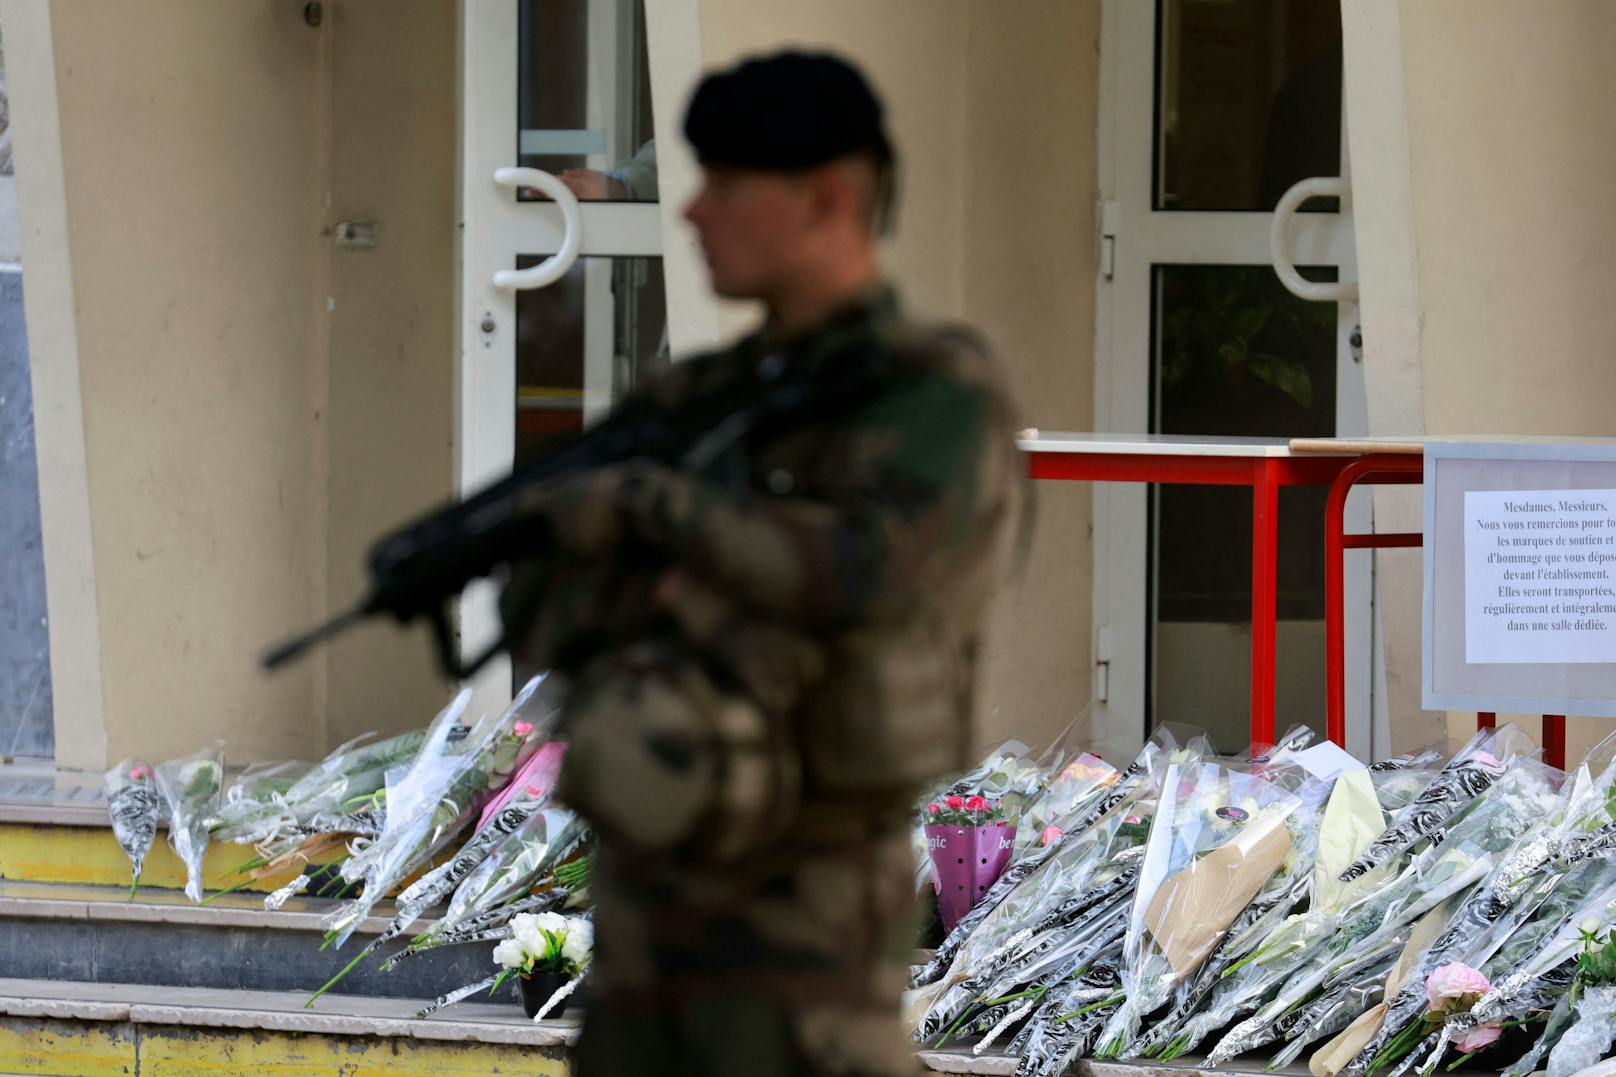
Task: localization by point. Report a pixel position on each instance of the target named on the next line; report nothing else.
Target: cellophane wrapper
(135, 808)
(191, 786)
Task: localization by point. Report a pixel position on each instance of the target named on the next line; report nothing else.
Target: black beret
(788, 112)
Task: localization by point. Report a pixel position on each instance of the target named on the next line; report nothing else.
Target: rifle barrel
(283, 653)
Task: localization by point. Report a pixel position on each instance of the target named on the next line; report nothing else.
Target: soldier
(766, 661)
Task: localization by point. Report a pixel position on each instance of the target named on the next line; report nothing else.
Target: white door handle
(554, 267)
(1279, 241)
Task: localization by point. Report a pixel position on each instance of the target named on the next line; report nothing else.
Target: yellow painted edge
(40, 853)
(50, 1048)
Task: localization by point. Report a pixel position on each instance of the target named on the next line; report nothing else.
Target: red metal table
(1264, 464)
(1398, 461)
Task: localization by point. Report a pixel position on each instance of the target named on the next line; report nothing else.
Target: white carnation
(510, 954)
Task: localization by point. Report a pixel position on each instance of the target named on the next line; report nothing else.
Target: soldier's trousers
(800, 976)
(745, 923)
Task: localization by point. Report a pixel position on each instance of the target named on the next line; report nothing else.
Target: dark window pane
(1248, 101)
(1235, 354)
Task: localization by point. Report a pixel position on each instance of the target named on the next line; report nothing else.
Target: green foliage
(1238, 320)
(1596, 964)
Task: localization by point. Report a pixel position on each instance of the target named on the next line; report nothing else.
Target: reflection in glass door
(1211, 112)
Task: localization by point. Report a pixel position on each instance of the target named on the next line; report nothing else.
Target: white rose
(578, 944)
(525, 930)
(553, 922)
(510, 954)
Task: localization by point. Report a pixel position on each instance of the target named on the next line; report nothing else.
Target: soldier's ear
(834, 192)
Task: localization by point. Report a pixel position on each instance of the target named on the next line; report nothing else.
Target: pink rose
(1132, 820)
(1452, 982)
(1486, 759)
(138, 773)
(534, 791)
(522, 729)
(954, 802)
(1477, 1038)
(934, 808)
(977, 804)
(1051, 834)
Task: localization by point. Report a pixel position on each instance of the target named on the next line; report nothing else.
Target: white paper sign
(1540, 576)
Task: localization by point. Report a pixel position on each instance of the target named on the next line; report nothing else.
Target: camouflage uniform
(761, 678)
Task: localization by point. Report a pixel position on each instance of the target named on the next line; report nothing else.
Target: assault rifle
(419, 569)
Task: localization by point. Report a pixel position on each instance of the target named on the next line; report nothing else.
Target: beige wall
(995, 120)
(1511, 159)
(1512, 162)
(390, 424)
(194, 180)
(256, 406)
(1029, 280)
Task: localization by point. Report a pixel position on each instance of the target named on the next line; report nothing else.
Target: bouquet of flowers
(971, 842)
(190, 785)
(432, 801)
(547, 943)
(133, 805)
(1217, 839)
(1062, 917)
(257, 791)
(320, 799)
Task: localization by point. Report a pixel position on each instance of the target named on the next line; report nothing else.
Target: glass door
(564, 301)
(1210, 113)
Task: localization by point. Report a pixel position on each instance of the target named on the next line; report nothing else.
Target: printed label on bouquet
(1326, 760)
(1540, 576)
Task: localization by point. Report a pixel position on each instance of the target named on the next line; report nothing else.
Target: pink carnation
(1051, 834)
(1486, 759)
(522, 729)
(1477, 1038)
(1452, 982)
(534, 791)
(137, 774)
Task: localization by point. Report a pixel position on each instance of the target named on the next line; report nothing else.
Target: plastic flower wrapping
(1296, 907)
(436, 797)
(135, 809)
(1290, 907)
(190, 787)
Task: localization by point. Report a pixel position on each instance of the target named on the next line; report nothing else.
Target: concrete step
(65, 911)
(56, 1028)
(96, 935)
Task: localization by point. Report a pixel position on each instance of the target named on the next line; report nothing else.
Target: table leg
(1264, 598)
(1554, 740)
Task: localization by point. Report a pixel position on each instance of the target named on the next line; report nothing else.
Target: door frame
(495, 228)
(1133, 238)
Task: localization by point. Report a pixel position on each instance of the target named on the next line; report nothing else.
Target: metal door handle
(1279, 245)
(554, 267)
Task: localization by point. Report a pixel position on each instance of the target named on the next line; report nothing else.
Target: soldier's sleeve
(927, 469)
